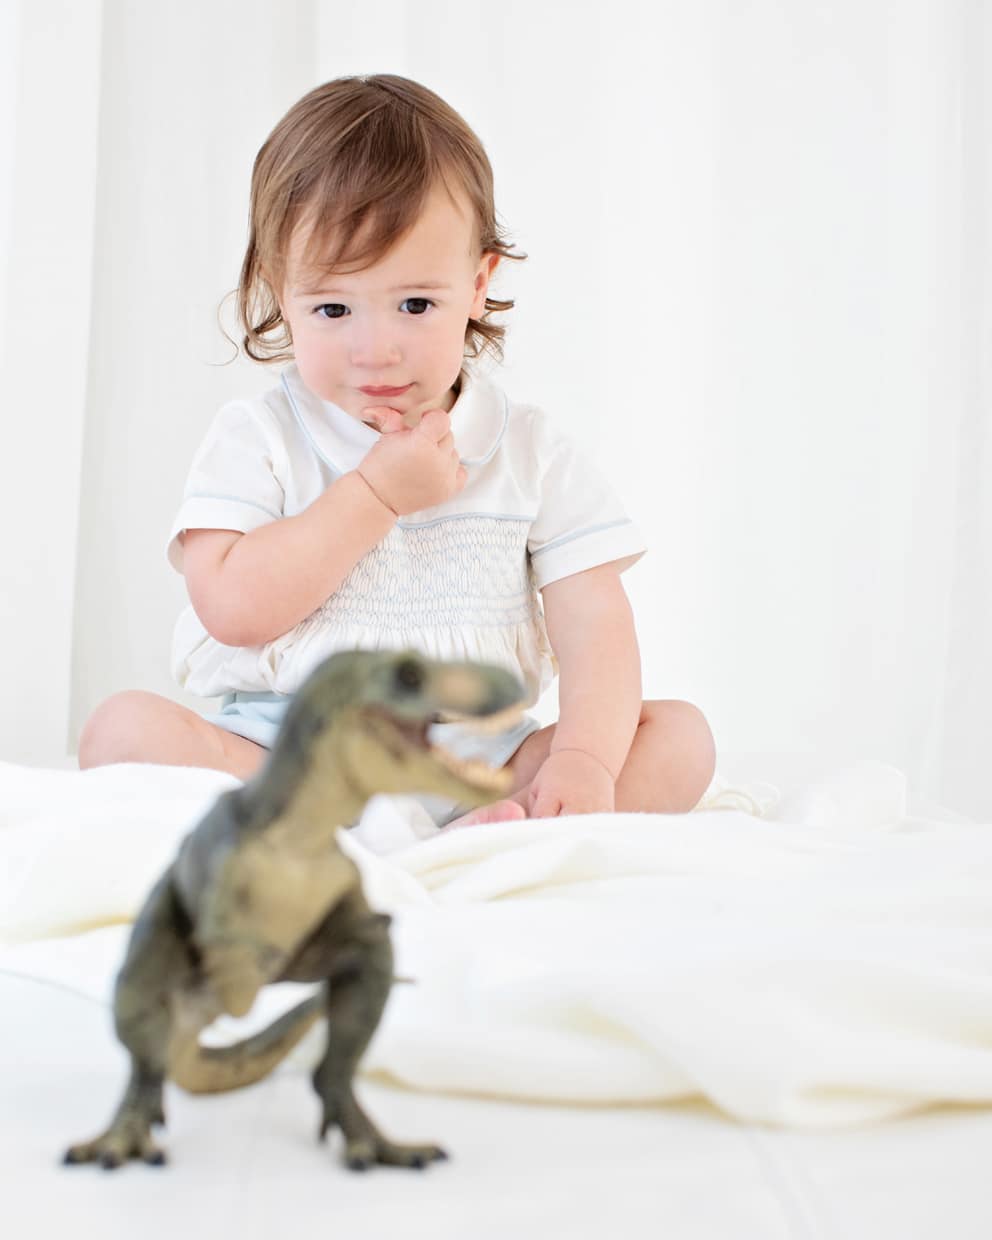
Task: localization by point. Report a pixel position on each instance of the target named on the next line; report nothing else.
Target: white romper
(456, 581)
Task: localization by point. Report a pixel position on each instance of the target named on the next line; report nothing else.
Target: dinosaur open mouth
(471, 770)
(475, 770)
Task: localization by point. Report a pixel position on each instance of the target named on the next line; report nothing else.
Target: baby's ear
(487, 269)
(485, 273)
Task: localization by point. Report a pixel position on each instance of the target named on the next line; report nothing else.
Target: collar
(478, 421)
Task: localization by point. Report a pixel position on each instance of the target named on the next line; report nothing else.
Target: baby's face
(385, 326)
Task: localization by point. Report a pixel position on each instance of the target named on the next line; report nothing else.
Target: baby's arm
(591, 628)
(249, 588)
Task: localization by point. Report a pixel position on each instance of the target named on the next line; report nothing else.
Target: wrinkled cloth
(827, 969)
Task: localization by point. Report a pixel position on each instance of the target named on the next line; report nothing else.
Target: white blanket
(827, 963)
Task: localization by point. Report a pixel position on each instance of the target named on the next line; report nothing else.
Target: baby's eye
(418, 301)
(330, 306)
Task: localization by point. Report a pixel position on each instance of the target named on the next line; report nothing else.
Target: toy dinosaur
(260, 892)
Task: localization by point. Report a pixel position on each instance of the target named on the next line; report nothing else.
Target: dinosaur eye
(409, 675)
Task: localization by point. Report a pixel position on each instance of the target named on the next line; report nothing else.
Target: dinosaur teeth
(483, 724)
(473, 770)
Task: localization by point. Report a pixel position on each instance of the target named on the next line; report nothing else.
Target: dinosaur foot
(361, 1154)
(365, 1146)
(116, 1146)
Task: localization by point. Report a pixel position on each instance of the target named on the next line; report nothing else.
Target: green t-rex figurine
(260, 892)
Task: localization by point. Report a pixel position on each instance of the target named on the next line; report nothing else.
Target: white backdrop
(757, 291)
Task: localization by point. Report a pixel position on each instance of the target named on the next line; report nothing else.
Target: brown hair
(359, 150)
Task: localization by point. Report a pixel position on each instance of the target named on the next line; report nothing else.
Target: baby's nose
(373, 347)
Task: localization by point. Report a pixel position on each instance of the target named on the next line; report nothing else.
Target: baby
(385, 494)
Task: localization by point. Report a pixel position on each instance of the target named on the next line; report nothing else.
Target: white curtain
(49, 91)
(757, 291)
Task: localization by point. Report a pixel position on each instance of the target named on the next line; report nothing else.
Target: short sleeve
(234, 481)
(581, 522)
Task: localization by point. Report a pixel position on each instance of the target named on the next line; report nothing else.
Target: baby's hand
(569, 782)
(411, 468)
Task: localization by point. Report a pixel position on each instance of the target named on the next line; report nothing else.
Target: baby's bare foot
(498, 811)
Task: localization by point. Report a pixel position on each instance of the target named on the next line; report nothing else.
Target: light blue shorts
(257, 717)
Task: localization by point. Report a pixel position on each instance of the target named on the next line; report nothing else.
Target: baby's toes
(497, 811)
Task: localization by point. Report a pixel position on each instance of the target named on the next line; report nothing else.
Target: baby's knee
(701, 745)
(700, 736)
(117, 728)
(687, 736)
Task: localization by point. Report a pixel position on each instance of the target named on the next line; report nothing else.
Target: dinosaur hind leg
(157, 959)
(129, 1133)
(356, 995)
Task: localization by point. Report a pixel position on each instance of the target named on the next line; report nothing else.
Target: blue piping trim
(465, 460)
(417, 525)
(460, 516)
(481, 460)
(303, 426)
(567, 538)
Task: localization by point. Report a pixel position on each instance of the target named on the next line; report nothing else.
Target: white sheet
(248, 1164)
(827, 969)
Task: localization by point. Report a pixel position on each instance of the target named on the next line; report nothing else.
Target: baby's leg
(135, 726)
(669, 766)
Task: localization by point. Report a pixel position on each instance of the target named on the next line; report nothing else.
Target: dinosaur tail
(216, 1069)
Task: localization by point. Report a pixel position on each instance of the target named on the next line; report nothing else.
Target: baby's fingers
(384, 419)
(435, 423)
